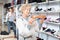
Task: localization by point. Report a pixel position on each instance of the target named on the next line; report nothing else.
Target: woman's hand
(32, 19)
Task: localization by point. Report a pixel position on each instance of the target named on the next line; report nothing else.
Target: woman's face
(11, 10)
(26, 12)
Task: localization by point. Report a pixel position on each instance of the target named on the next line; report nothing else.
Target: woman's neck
(11, 12)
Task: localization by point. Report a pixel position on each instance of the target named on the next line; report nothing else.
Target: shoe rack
(52, 24)
(52, 10)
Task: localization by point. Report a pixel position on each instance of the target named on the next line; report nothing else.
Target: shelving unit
(53, 15)
(52, 23)
(49, 34)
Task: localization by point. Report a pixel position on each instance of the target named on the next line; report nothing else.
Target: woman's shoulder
(8, 12)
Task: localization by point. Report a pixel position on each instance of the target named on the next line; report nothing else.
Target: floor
(8, 37)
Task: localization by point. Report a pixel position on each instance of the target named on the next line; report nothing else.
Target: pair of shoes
(51, 31)
(4, 33)
(39, 9)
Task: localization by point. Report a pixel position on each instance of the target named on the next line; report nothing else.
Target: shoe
(53, 31)
(48, 30)
(4, 33)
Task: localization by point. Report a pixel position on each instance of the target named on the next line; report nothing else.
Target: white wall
(3, 1)
(9, 1)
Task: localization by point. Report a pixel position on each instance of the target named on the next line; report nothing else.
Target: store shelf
(53, 12)
(49, 34)
(49, 2)
(39, 12)
(52, 23)
(54, 2)
(42, 3)
(32, 4)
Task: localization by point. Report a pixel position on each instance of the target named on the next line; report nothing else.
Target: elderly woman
(22, 22)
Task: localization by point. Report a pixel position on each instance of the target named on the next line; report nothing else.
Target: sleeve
(6, 17)
(19, 25)
(36, 26)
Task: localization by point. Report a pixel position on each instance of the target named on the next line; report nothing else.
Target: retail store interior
(32, 20)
